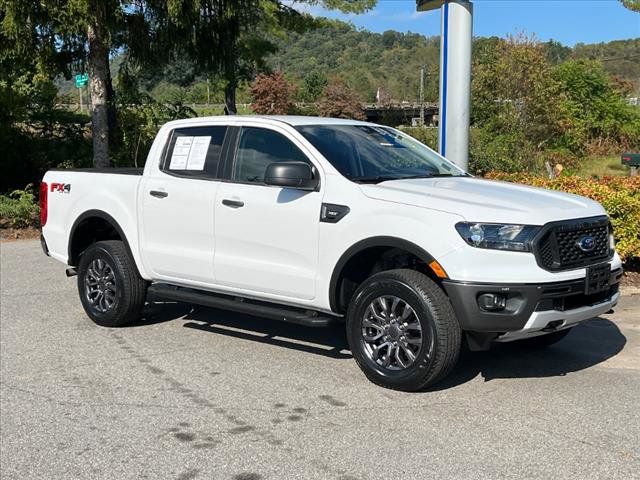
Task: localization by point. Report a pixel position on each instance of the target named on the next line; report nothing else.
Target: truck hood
(480, 200)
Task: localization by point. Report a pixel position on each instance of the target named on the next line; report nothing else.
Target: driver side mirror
(291, 174)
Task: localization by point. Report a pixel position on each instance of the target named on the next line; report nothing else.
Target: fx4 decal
(61, 187)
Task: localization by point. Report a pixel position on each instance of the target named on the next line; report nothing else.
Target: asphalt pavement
(197, 393)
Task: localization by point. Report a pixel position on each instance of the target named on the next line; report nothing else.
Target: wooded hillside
(392, 60)
(368, 61)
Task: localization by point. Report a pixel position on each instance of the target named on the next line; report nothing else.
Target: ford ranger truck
(316, 220)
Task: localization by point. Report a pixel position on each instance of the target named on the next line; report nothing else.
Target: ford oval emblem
(586, 243)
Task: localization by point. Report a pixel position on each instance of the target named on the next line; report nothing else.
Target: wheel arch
(83, 233)
(363, 249)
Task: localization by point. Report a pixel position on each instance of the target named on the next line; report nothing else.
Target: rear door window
(195, 151)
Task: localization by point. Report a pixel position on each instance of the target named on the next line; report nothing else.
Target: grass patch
(600, 166)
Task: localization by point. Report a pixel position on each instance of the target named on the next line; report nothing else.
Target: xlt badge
(332, 213)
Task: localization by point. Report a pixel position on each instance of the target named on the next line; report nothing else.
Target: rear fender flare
(96, 214)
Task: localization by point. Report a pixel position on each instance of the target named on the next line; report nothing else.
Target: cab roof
(293, 120)
(296, 120)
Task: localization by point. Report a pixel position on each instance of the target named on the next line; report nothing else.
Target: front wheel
(110, 287)
(402, 330)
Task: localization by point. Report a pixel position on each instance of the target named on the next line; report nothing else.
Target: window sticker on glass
(180, 153)
(190, 153)
(198, 153)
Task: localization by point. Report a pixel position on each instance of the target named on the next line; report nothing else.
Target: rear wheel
(544, 341)
(110, 287)
(402, 330)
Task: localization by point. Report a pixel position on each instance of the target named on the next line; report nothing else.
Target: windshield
(373, 154)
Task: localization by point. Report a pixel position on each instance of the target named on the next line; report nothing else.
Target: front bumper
(539, 322)
(530, 308)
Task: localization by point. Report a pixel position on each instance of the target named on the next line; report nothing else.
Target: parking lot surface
(196, 393)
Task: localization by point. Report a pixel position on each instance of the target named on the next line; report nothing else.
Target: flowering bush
(620, 197)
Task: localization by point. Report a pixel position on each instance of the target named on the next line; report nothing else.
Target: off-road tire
(432, 307)
(130, 288)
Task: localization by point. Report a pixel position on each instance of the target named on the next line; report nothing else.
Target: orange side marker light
(438, 270)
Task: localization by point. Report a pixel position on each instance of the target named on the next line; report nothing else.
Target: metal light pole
(455, 76)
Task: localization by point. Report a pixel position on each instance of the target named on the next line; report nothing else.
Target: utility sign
(82, 79)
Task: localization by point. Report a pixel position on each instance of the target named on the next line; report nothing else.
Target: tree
(67, 36)
(622, 85)
(556, 52)
(34, 133)
(272, 95)
(340, 101)
(361, 58)
(598, 110)
(515, 91)
(313, 85)
(215, 34)
(231, 38)
(517, 105)
(390, 38)
(97, 13)
(633, 5)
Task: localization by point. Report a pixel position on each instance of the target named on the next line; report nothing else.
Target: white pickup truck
(315, 220)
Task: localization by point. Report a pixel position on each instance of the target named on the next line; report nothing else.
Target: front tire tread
(448, 334)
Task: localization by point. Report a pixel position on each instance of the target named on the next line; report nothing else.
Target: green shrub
(488, 151)
(599, 116)
(620, 197)
(19, 209)
(505, 152)
(307, 110)
(139, 124)
(426, 135)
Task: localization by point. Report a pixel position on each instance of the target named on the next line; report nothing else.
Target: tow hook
(553, 326)
(71, 272)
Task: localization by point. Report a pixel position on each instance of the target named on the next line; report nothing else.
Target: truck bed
(112, 171)
(72, 192)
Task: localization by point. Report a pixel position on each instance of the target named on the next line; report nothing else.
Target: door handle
(233, 203)
(158, 194)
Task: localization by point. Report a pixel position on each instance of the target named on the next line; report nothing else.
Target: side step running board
(241, 305)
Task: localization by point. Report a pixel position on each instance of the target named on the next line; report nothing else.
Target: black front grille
(557, 247)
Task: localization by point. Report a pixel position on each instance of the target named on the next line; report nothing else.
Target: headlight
(497, 236)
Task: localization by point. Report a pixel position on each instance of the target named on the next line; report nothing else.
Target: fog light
(492, 302)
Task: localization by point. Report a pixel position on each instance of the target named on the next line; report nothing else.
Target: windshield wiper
(387, 178)
(427, 175)
(376, 179)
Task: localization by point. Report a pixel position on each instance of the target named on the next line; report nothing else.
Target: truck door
(266, 236)
(177, 199)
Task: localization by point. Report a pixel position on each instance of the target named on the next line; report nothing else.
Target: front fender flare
(381, 241)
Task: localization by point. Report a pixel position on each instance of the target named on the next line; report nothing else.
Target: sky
(567, 21)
